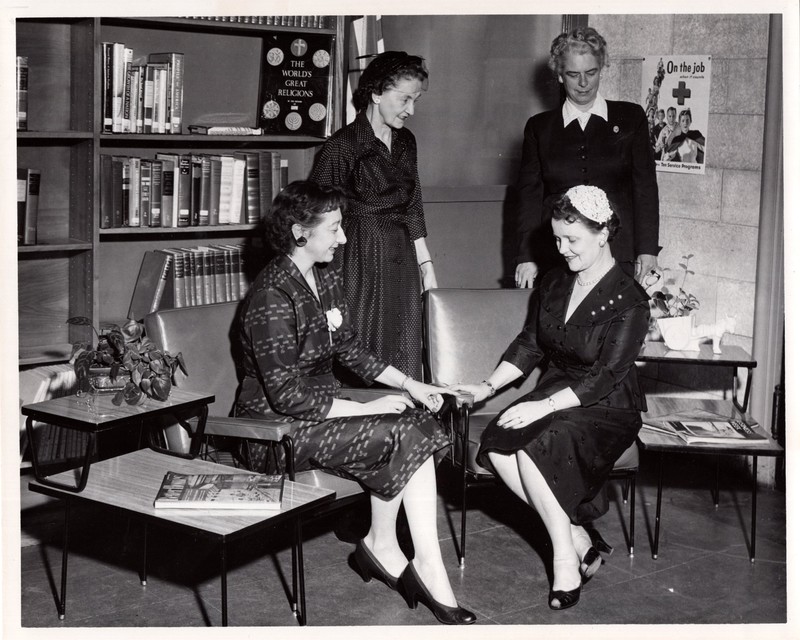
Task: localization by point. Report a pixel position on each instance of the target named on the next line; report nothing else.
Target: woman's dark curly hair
(563, 209)
(580, 40)
(301, 202)
(385, 71)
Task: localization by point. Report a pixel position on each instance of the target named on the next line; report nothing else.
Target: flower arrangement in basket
(124, 362)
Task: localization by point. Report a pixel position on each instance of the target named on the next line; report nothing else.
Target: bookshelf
(76, 268)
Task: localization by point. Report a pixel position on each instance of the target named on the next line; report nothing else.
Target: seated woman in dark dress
(555, 447)
(294, 323)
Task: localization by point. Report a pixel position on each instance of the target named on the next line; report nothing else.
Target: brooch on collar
(615, 129)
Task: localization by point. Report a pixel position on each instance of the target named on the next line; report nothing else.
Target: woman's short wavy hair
(301, 202)
(563, 209)
(579, 40)
(384, 72)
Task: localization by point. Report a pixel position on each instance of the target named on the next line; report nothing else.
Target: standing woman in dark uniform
(587, 141)
(374, 159)
(555, 446)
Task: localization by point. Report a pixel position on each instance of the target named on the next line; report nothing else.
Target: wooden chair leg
(464, 456)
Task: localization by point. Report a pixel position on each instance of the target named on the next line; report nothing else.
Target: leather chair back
(467, 332)
(203, 335)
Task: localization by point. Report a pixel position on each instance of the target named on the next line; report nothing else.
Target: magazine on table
(220, 491)
(706, 427)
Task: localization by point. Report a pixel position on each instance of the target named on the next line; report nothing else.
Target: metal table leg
(753, 511)
(224, 582)
(658, 503)
(42, 479)
(62, 601)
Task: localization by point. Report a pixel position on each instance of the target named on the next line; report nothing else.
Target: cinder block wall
(714, 216)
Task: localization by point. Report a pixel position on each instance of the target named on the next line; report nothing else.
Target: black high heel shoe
(564, 599)
(368, 567)
(414, 591)
(590, 563)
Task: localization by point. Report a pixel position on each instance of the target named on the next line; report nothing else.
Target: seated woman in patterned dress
(555, 447)
(293, 324)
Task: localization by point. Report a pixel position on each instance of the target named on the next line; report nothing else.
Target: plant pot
(101, 382)
(677, 332)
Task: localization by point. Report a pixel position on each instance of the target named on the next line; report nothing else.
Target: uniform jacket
(615, 156)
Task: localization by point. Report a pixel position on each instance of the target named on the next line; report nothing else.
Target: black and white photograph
(493, 298)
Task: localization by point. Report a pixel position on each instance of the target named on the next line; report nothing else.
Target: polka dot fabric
(383, 219)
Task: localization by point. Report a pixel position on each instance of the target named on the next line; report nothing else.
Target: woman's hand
(426, 394)
(428, 276)
(525, 274)
(523, 414)
(479, 392)
(387, 404)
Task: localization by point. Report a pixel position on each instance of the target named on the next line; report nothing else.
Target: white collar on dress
(570, 112)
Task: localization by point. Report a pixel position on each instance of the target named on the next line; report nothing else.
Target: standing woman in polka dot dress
(374, 159)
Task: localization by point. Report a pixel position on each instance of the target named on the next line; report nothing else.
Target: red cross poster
(675, 97)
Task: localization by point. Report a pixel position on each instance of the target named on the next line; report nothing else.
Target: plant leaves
(161, 388)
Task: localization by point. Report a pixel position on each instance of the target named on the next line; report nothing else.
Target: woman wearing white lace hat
(555, 447)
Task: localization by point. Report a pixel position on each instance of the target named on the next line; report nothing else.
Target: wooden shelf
(220, 229)
(194, 139)
(50, 247)
(78, 268)
(217, 26)
(45, 354)
(53, 136)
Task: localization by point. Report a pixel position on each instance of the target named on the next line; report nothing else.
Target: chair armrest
(248, 428)
(367, 394)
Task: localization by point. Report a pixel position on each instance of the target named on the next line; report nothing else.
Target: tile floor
(702, 574)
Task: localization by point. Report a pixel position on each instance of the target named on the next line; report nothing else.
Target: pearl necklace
(596, 280)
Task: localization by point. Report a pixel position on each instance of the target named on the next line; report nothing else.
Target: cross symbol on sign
(681, 92)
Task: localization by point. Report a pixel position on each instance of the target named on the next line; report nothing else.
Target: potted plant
(673, 308)
(124, 362)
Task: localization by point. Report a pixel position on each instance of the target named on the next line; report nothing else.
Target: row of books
(22, 93)
(187, 190)
(141, 94)
(310, 22)
(188, 277)
(28, 186)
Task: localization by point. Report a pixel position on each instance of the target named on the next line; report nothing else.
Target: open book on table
(706, 427)
(220, 491)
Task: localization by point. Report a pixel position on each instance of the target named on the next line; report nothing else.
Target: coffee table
(665, 444)
(93, 414)
(128, 484)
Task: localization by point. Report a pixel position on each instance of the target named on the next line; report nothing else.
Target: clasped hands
(516, 417)
(428, 395)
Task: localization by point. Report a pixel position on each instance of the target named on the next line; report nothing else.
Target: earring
(301, 241)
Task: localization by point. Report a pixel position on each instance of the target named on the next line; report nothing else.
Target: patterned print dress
(593, 352)
(383, 219)
(287, 358)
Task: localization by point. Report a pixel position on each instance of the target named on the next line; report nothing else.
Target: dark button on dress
(575, 449)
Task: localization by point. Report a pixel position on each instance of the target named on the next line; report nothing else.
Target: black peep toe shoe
(368, 566)
(590, 564)
(414, 591)
(564, 599)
